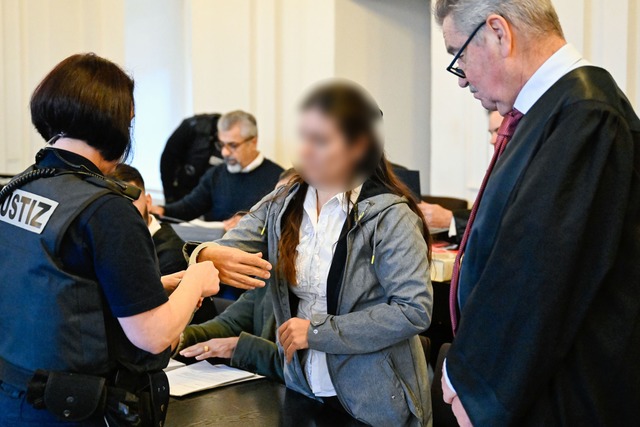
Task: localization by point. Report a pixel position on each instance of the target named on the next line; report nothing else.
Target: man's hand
(435, 215)
(450, 397)
(217, 347)
(156, 210)
(237, 268)
(171, 281)
(232, 222)
(293, 335)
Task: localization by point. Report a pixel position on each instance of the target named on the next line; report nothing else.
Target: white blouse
(318, 238)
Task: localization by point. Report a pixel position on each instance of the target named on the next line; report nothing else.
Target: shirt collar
(311, 200)
(566, 59)
(55, 158)
(154, 225)
(254, 164)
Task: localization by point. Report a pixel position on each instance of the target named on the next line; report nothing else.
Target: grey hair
(535, 17)
(247, 122)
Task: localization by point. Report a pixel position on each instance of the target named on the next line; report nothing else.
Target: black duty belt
(14, 375)
(77, 397)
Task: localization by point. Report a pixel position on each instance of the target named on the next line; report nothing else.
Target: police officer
(86, 326)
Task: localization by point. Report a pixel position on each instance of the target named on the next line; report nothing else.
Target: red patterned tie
(506, 131)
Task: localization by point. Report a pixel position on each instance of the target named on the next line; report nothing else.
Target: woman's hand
(237, 267)
(171, 281)
(293, 335)
(217, 347)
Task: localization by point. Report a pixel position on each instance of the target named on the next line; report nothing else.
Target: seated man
(244, 333)
(168, 244)
(235, 186)
(456, 221)
(283, 180)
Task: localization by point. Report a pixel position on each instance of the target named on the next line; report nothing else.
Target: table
(260, 403)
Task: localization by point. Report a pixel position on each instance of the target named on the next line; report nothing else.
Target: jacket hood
(375, 198)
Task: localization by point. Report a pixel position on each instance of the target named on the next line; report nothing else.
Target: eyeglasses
(459, 72)
(231, 146)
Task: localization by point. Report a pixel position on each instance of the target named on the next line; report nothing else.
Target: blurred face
(326, 160)
(495, 120)
(484, 62)
(143, 203)
(237, 151)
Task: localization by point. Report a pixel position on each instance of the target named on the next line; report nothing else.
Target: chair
(449, 203)
(442, 413)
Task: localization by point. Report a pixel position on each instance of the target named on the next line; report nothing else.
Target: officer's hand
(237, 268)
(206, 275)
(171, 281)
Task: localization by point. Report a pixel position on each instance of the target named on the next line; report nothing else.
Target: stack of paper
(442, 264)
(204, 376)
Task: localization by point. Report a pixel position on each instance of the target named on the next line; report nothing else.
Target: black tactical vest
(49, 318)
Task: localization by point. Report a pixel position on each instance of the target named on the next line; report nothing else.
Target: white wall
(264, 55)
(606, 31)
(260, 55)
(385, 47)
(34, 36)
(156, 57)
(192, 56)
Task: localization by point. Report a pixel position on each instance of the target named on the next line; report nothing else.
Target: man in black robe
(549, 287)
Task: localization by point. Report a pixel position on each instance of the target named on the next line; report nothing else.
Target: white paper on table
(173, 364)
(204, 376)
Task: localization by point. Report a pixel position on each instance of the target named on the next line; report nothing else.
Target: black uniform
(75, 255)
(189, 153)
(550, 282)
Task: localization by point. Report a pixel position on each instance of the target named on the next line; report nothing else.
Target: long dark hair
(357, 116)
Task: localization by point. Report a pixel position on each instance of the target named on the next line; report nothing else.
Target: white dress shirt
(154, 225)
(561, 63)
(318, 237)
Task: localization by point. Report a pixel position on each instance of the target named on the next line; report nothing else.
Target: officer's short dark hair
(89, 98)
(126, 173)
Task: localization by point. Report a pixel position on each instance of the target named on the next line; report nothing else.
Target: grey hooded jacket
(374, 356)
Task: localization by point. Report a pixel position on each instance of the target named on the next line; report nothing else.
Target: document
(205, 376)
(173, 364)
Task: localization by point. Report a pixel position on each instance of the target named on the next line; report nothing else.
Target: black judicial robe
(550, 284)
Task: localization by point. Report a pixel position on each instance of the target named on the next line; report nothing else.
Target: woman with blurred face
(351, 285)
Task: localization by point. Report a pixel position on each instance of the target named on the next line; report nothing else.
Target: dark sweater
(221, 194)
